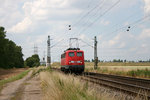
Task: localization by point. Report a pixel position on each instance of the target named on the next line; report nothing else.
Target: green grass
(14, 78)
(145, 73)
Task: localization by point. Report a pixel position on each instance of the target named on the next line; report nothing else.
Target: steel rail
(125, 84)
(129, 80)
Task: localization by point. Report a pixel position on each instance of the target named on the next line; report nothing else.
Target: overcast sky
(29, 22)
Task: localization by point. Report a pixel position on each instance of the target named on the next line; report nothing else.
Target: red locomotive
(72, 60)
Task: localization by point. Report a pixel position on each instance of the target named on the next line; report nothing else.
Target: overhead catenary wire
(143, 21)
(87, 18)
(87, 13)
(131, 24)
(57, 43)
(99, 16)
(86, 43)
(90, 1)
(129, 17)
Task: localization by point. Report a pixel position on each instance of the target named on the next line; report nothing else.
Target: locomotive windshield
(71, 54)
(79, 54)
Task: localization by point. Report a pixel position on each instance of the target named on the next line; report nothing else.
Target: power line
(86, 14)
(100, 16)
(141, 22)
(124, 27)
(137, 12)
(97, 6)
(96, 13)
(89, 3)
(57, 43)
(86, 43)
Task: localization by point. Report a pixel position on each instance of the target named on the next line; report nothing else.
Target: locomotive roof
(73, 49)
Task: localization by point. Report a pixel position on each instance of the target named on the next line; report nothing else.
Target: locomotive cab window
(79, 54)
(71, 54)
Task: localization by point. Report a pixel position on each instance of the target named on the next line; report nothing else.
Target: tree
(10, 54)
(33, 61)
(19, 62)
(86, 60)
(29, 62)
(36, 60)
(125, 60)
(92, 60)
(2, 45)
(114, 60)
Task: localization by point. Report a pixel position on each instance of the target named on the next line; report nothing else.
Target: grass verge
(14, 78)
(58, 86)
(40, 69)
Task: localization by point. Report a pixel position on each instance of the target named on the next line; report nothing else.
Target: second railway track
(134, 86)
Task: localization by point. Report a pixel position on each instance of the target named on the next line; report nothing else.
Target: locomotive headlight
(71, 61)
(78, 61)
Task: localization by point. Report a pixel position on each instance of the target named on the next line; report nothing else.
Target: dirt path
(24, 89)
(32, 90)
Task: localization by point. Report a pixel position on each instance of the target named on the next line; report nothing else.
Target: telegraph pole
(95, 53)
(48, 53)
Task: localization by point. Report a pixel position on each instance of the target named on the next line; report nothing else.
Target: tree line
(118, 60)
(11, 55)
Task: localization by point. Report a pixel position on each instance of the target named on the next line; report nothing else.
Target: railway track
(130, 85)
(134, 86)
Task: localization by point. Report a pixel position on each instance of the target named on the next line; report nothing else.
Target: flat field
(113, 66)
(141, 70)
(119, 66)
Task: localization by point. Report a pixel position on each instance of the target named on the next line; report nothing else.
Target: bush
(33, 61)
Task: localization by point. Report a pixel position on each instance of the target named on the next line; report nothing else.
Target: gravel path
(27, 88)
(32, 90)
